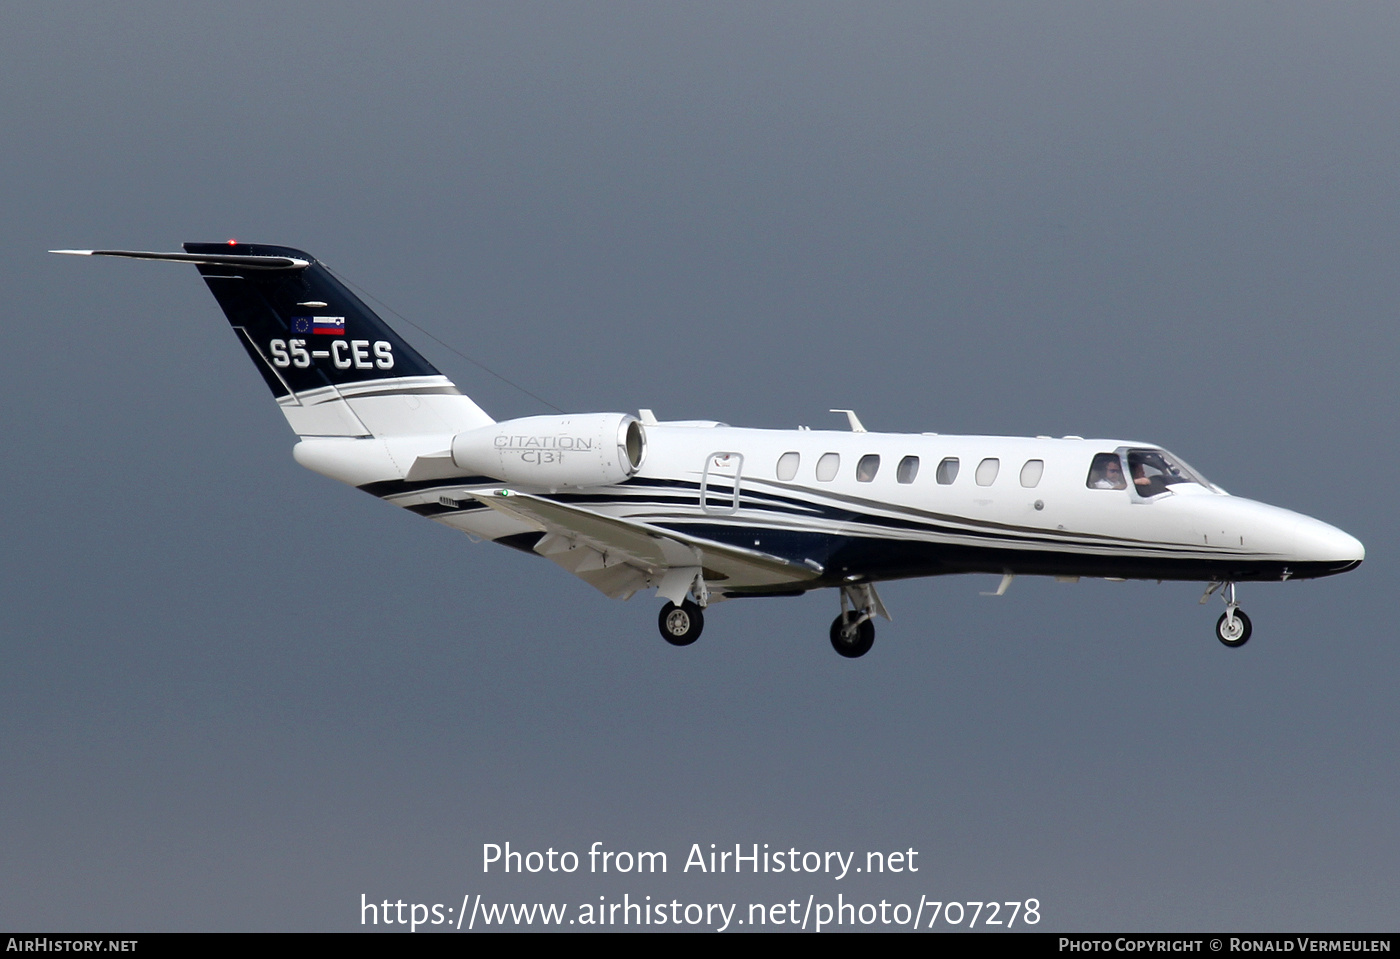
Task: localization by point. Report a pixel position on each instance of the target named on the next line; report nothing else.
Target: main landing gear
(681, 625)
(853, 632)
(852, 636)
(1233, 628)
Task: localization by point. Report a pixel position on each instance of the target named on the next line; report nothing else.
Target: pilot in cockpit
(1106, 472)
(1150, 474)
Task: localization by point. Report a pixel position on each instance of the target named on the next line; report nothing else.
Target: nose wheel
(1233, 628)
(1233, 631)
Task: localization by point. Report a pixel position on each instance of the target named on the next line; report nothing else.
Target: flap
(646, 548)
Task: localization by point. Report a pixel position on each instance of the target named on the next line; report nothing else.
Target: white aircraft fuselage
(1041, 520)
(702, 511)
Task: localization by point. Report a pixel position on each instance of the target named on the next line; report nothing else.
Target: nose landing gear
(1233, 628)
(1233, 631)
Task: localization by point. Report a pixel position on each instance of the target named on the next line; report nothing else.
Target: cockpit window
(1106, 472)
(1155, 471)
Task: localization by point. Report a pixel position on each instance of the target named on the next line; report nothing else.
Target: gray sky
(236, 695)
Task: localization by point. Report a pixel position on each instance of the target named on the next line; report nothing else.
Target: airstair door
(719, 486)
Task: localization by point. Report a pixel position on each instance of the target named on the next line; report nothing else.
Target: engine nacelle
(582, 450)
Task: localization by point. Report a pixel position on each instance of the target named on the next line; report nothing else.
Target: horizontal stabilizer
(208, 259)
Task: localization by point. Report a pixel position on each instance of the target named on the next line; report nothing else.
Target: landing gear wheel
(852, 639)
(681, 625)
(1234, 634)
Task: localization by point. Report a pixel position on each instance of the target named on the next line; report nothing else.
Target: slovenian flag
(328, 325)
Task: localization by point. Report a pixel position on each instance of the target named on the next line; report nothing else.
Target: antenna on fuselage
(856, 426)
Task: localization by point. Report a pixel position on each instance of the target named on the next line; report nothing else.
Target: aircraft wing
(621, 556)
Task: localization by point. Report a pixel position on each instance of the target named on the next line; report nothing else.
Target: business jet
(701, 512)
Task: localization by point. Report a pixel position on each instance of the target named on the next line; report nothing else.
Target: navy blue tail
(300, 325)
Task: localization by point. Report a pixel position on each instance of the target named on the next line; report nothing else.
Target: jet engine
(574, 450)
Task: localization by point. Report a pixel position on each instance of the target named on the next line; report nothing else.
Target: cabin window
(866, 469)
(908, 469)
(787, 466)
(1031, 473)
(827, 467)
(948, 471)
(1106, 472)
(987, 471)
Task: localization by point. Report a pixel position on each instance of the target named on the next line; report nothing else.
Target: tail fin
(334, 367)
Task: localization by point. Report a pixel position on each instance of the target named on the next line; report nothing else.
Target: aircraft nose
(1319, 543)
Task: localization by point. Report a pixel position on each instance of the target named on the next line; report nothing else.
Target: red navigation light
(232, 242)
